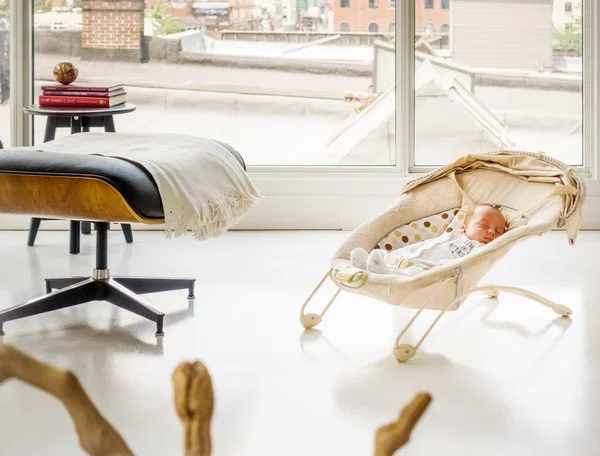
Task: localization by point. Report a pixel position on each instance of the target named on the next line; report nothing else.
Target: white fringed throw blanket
(203, 187)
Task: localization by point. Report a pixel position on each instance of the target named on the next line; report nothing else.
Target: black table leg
(86, 228)
(74, 243)
(34, 226)
(50, 132)
(126, 227)
(85, 124)
(75, 124)
(109, 124)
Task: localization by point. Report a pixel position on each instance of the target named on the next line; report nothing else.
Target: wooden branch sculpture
(96, 436)
(194, 403)
(394, 435)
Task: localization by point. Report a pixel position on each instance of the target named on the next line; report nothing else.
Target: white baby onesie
(426, 254)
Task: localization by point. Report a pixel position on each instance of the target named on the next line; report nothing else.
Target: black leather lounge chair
(91, 188)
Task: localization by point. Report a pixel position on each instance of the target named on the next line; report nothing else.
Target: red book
(84, 86)
(83, 94)
(105, 102)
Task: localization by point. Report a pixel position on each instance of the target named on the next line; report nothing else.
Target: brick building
(364, 15)
(112, 29)
(431, 16)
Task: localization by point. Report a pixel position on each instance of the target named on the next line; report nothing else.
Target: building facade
(565, 13)
(374, 16)
(502, 34)
(432, 16)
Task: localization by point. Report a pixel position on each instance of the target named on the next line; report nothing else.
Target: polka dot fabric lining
(430, 227)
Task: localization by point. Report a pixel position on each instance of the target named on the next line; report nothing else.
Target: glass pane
(498, 74)
(300, 82)
(5, 112)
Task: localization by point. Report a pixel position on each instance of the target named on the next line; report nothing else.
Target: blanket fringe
(213, 218)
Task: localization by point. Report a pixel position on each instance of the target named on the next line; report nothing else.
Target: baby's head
(485, 224)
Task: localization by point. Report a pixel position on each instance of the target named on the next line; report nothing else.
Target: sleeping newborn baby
(485, 224)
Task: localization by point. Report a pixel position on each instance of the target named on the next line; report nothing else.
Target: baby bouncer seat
(534, 192)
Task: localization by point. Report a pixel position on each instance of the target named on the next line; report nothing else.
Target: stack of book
(83, 94)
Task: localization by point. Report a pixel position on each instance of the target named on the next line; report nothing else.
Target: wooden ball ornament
(65, 72)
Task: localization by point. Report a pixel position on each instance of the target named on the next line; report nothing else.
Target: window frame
(21, 71)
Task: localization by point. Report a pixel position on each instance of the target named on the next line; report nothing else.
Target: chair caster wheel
(404, 352)
(159, 334)
(310, 320)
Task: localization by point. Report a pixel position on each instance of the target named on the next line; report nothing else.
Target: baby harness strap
(558, 190)
(467, 205)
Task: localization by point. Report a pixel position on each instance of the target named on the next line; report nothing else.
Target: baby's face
(485, 224)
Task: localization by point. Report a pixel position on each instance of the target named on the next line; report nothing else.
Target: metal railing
(345, 38)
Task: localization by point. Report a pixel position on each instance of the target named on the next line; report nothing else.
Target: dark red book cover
(104, 102)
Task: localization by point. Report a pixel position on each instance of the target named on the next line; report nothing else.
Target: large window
(5, 99)
(285, 90)
(290, 90)
(471, 98)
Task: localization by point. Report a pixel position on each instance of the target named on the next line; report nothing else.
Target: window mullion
(21, 74)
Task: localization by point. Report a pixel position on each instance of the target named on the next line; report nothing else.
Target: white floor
(508, 376)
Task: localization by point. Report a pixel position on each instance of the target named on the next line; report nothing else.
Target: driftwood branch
(194, 402)
(394, 435)
(96, 436)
